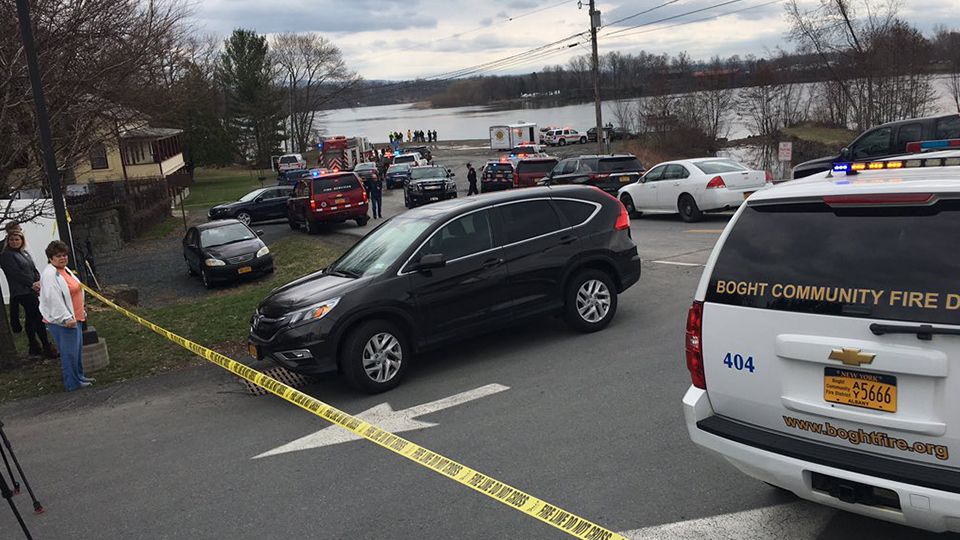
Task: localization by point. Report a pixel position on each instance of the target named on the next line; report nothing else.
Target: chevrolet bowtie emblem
(851, 357)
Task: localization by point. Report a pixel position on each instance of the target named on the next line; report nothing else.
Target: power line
(504, 20)
(644, 12)
(701, 19)
(672, 17)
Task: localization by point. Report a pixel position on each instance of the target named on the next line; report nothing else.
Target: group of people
(414, 136)
(52, 301)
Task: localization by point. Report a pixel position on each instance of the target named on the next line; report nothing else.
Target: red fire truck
(343, 153)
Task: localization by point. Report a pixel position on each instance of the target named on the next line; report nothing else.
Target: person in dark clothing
(374, 187)
(472, 179)
(24, 281)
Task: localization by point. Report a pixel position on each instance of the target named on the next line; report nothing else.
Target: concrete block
(95, 356)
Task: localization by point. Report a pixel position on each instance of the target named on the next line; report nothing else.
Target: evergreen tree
(254, 116)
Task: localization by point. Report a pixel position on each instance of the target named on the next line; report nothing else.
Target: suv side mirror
(845, 153)
(431, 261)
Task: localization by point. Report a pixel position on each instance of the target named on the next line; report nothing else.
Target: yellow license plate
(624, 179)
(860, 389)
(252, 349)
(244, 270)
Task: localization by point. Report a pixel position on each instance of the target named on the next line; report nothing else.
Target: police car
(823, 343)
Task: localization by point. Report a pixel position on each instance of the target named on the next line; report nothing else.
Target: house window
(98, 157)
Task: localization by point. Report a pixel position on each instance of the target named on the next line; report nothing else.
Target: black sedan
(225, 250)
(259, 205)
(428, 184)
(452, 270)
(397, 175)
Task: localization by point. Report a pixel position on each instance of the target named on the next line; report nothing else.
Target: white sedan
(691, 187)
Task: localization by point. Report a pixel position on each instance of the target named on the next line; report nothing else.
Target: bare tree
(315, 74)
(624, 114)
(94, 56)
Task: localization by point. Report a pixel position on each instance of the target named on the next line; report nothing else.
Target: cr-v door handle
(568, 239)
(492, 263)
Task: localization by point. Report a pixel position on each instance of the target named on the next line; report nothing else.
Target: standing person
(24, 280)
(472, 179)
(409, 136)
(391, 138)
(371, 182)
(61, 303)
(434, 135)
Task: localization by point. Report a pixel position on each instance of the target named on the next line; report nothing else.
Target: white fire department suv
(824, 340)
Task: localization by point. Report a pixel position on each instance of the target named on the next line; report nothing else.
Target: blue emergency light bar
(315, 173)
(858, 166)
(942, 144)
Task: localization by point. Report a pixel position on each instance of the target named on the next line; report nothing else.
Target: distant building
(133, 153)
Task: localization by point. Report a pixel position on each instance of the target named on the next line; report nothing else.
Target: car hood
(306, 291)
(235, 249)
(398, 173)
(227, 206)
(819, 162)
(428, 180)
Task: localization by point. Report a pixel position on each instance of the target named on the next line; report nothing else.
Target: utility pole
(594, 24)
(43, 124)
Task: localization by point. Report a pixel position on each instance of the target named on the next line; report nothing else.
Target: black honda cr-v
(447, 271)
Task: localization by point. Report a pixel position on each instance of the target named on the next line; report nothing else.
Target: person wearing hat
(472, 180)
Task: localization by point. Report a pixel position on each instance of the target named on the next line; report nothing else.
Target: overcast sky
(403, 39)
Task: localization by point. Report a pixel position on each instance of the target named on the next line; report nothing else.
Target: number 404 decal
(738, 362)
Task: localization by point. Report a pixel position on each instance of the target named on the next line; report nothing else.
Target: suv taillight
(623, 220)
(694, 345)
(716, 182)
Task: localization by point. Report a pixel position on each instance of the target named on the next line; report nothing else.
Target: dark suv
(328, 198)
(497, 176)
(609, 173)
(429, 184)
(448, 271)
(886, 140)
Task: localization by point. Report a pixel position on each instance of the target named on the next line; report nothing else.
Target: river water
(459, 123)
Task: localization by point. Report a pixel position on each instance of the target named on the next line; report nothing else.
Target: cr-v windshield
(381, 248)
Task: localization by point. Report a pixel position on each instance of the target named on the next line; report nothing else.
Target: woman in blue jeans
(61, 304)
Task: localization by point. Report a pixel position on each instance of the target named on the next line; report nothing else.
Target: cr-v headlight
(315, 312)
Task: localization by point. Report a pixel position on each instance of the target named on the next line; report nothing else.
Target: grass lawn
(828, 136)
(219, 321)
(215, 186)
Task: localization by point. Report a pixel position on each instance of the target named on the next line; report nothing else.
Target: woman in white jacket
(61, 304)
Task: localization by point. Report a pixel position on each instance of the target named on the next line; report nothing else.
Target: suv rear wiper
(923, 331)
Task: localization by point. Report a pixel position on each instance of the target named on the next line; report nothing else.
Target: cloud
(328, 16)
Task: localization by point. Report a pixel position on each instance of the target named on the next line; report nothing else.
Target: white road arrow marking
(792, 520)
(387, 419)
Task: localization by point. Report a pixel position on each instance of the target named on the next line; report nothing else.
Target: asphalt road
(591, 423)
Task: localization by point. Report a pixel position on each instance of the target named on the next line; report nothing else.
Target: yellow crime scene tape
(510, 496)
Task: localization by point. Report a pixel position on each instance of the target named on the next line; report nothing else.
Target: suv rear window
(289, 159)
(620, 164)
(536, 166)
(494, 168)
(331, 184)
(948, 128)
(883, 263)
(408, 158)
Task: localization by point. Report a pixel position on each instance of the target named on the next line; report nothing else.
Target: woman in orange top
(61, 303)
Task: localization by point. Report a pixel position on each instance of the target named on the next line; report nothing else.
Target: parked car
(691, 187)
(225, 250)
(886, 140)
(530, 170)
(329, 198)
(424, 152)
(822, 341)
(611, 134)
(563, 137)
(608, 173)
(440, 273)
(429, 184)
(496, 176)
(397, 175)
(365, 166)
(414, 159)
(291, 177)
(259, 205)
(289, 162)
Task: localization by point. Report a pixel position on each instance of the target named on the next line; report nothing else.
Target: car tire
(360, 353)
(627, 201)
(590, 301)
(244, 217)
(688, 209)
(313, 227)
(562, 142)
(205, 279)
(361, 221)
(583, 140)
